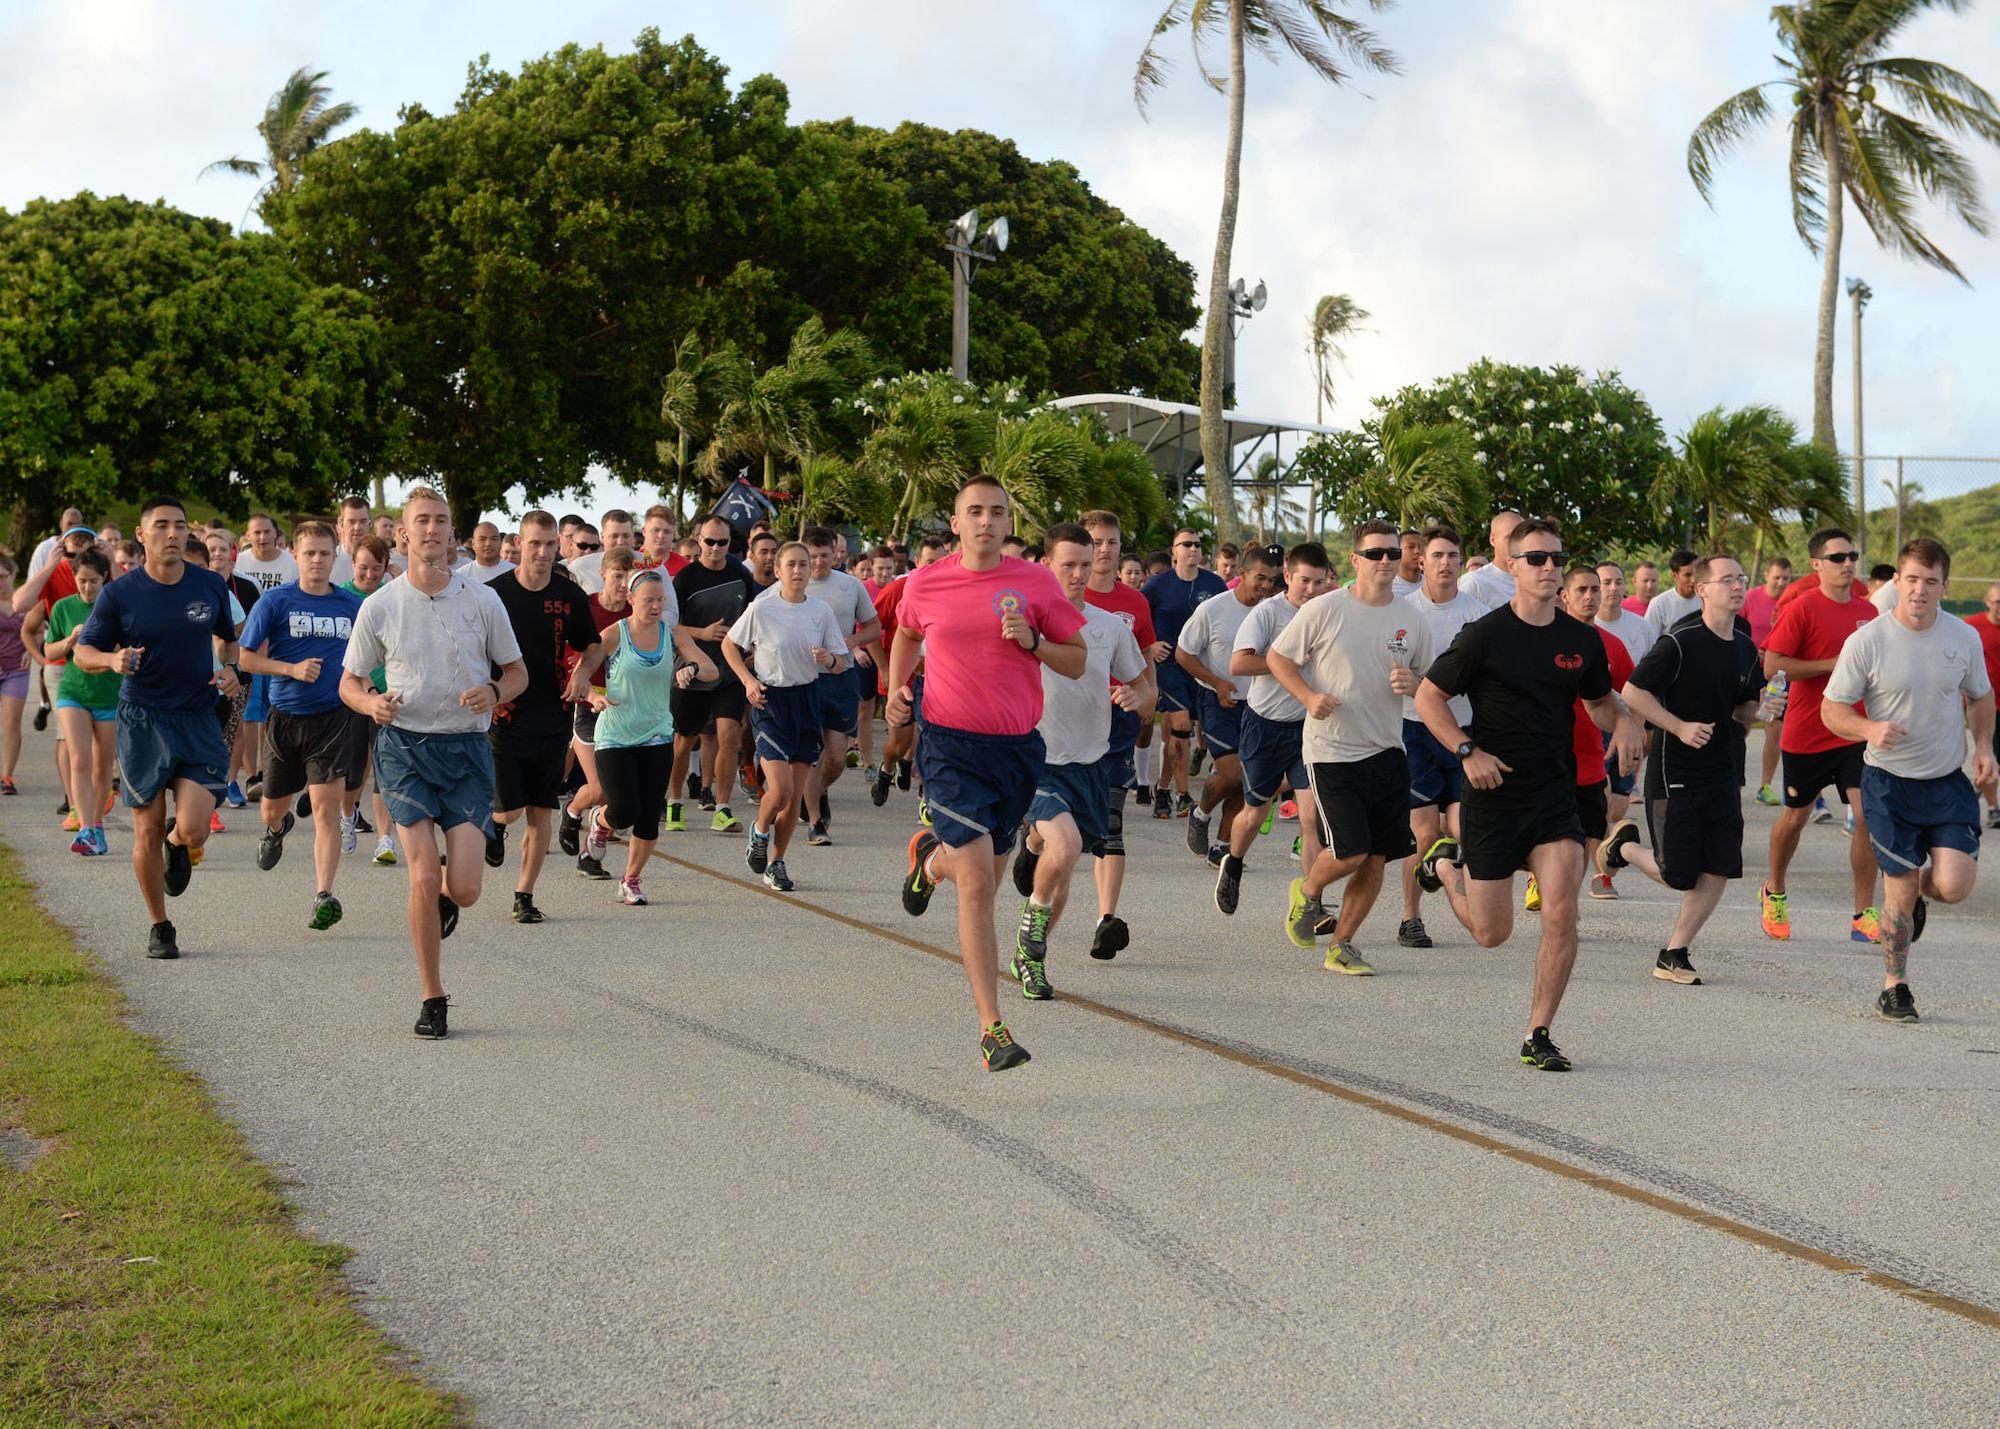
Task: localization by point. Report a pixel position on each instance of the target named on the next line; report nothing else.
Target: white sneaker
(385, 851)
(629, 894)
(348, 838)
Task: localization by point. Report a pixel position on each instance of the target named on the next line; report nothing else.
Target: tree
(1746, 468)
(1335, 318)
(791, 412)
(297, 120)
(693, 398)
(1319, 34)
(1846, 145)
(1413, 474)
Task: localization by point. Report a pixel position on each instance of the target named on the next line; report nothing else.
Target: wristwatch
(1464, 751)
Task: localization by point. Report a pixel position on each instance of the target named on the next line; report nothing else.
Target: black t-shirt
(1702, 677)
(707, 596)
(1524, 681)
(553, 626)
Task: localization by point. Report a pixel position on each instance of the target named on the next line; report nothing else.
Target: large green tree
(1848, 145)
(143, 349)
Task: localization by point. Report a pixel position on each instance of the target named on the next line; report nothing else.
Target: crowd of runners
(1430, 728)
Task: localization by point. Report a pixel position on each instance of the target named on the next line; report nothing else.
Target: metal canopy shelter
(1170, 432)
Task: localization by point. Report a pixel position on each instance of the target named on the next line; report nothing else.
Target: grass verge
(150, 1270)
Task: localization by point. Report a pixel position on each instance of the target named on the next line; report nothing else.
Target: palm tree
(1333, 45)
(777, 417)
(1846, 144)
(1335, 318)
(1747, 467)
(693, 398)
(1410, 473)
(927, 443)
(297, 120)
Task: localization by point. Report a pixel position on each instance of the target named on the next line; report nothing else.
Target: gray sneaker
(1032, 940)
(1346, 958)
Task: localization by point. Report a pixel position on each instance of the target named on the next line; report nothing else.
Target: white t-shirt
(1262, 626)
(1666, 610)
(845, 596)
(44, 553)
(1919, 680)
(433, 649)
(1634, 632)
(1076, 714)
(281, 569)
(1489, 585)
(1210, 634)
(1346, 648)
(1445, 619)
(1884, 597)
(485, 575)
(584, 570)
(779, 637)
(1406, 588)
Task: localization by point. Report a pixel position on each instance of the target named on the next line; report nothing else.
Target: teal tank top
(642, 682)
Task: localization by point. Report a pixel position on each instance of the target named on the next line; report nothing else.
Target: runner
(1667, 609)
(1437, 784)
(1350, 657)
(763, 552)
(1272, 724)
(350, 525)
(487, 565)
(712, 593)
(1410, 565)
(618, 535)
(1523, 668)
(986, 624)
(1580, 599)
(297, 637)
(1986, 625)
(1923, 678)
(437, 636)
(1645, 585)
(161, 628)
(264, 558)
(779, 648)
(35, 599)
(1700, 687)
(1072, 800)
(553, 629)
(899, 746)
(1811, 629)
(370, 560)
(86, 705)
(607, 608)
(1173, 596)
(16, 671)
(659, 542)
(1760, 608)
(1207, 641)
(1492, 584)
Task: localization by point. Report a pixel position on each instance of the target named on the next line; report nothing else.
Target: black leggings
(635, 786)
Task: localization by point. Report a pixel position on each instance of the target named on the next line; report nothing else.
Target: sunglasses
(1543, 558)
(713, 541)
(1842, 556)
(1185, 545)
(1380, 553)
(589, 546)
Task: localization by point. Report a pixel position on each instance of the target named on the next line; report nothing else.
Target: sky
(1520, 191)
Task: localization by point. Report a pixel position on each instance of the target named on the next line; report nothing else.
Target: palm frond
(1940, 171)
(1727, 125)
(1807, 169)
(1154, 67)
(1883, 195)
(249, 168)
(1320, 35)
(1940, 93)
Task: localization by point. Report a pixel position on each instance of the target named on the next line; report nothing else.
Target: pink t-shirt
(975, 679)
(1636, 604)
(1760, 608)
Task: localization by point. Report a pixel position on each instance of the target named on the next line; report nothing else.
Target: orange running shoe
(1777, 922)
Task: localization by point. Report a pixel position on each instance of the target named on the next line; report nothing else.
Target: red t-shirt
(1813, 628)
(1760, 608)
(975, 679)
(1129, 606)
(1590, 766)
(61, 582)
(1989, 641)
(1636, 604)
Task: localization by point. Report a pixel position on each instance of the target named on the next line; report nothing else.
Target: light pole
(1860, 293)
(1242, 306)
(968, 248)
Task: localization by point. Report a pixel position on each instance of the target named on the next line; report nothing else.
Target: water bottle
(1771, 708)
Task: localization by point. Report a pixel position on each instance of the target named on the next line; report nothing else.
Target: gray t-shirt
(1210, 634)
(1444, 620)
(780, 637)
(432, 649)
(1666, 610)
(1917, 679)
(1489, 585)
(1260, 628)
(1346, 648)
(1634, 632)
(842, 594)
(1076, 714)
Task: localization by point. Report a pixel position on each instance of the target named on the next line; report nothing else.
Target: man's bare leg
(1558, 867)
(976, 871)
(1785, 831)
(1861, 857)
(534, 847)
(465, 855)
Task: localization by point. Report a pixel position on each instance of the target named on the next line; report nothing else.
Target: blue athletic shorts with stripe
(1222, 728)
(978, 785)
(1176, 689)
(1907, 818)
(787, 729)
(1437, 779)
(1273, 751)
(446, 778)
(156, 747)
(1119, 766)
(839, 701)
(1079, 790)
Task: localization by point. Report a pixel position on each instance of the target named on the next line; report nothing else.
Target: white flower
(1456, 414)
(1479, 457)
(1569, 426)
(1616, 428)
(958, 399)
(1598, 418)
(1529, 405)
(1538, 466)
(1527, 426)
(1581, 380)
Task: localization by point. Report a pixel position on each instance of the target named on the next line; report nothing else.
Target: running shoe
(1110, 938)
(72, 821)
(326, 912)
(253, 787)
(776, 878)
(1611, 852)
(1542, 1054)
(385, 851)
(1183, 806)
(84, 844)
(1228, 884)
(1031, 938)
(303, 807)
(162, 942)
(215, 824)
(1216, 853)
(104, 847)
(1195, 757)
(525, 910)
(592, 868)
(904, 768)
(180, 868)
(1601, 886)
(693, 784)
(1026, 861)
(447, 916)
(629, 894)
(1303, 916)
(63, 807)
(1344, 957)
(1919, 915)
(1270, 816)
(1445, 850)
(878, 787)
(853, 759)
(196, 855)
(496, 846)
(234, 796)
(1197, 831)
(817, 835)
(705, 800)
(1866, 928)
(1142, 796)
(1298, 844)
(1765, 796)
(111, 798)
(1777, 921)
(923, 810)
(569, 834)
(1673, 966)
(1032, 977)
(722, 821)
(271, 847)
(1532, 899)
(596, 841)
(1163, 803)
(349, 837)
(758, 854)
(1821, 814)
(675, 823)
(825, 811)
(999, 1050)
(1993, 817)
(1329, 919)
(431, 1018)
(1288, 810)
(361, 824)
(1410, 933)
(868, 773)
(41, 719)
(1896, 1004)
(918, 885)
(1847, 824)
(8, 786)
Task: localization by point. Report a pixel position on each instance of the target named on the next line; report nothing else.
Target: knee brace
(1112, 845)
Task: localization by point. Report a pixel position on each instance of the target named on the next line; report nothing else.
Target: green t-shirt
(379, 676)
(93, 692)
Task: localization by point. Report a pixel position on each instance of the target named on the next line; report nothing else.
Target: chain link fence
(1953, 499)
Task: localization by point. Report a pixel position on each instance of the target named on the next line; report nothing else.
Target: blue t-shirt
(1173, 600)
(289, 625)
(174, 625)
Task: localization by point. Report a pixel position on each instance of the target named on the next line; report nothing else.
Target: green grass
(150, 1270)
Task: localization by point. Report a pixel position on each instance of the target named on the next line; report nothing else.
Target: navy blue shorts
(1222, 728)
(1119, 767)
(1079, 790)
(1619, 783)
(978, 785)
(1176, 689)
(1272, 751)
(156, 747)
(446, 778)
(838, 701)
(1436, 777)
(787, 729)
(1907, 818)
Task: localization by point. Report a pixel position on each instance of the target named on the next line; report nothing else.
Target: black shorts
(1807, 774)
(1697, 831)
(1364, 806)
(1498, 829)
(300, 750)
(1593, 809)
(527, 769)
(694, 709)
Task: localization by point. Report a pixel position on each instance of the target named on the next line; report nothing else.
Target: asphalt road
(731, 1159)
